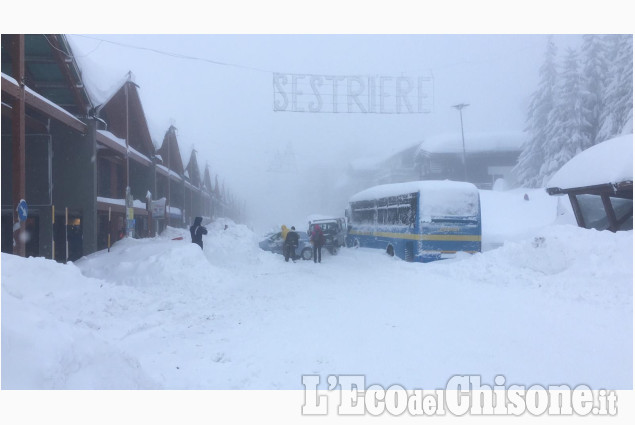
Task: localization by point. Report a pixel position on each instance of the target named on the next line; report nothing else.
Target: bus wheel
(390, 250)
(306, 254)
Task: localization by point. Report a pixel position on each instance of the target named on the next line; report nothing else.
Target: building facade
(488, 157)
(88, 173)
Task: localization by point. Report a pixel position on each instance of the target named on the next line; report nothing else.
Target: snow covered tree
(594, 71)
(532, 155)
(589, 102)
(618, 98)
(565, 119)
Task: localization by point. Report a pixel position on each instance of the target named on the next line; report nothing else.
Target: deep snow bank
(506, 215)
(564, 260)
(48, 339)
(552, 307)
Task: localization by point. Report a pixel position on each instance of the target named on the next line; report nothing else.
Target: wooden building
(87, 172)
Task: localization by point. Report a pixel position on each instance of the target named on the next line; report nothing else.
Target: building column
(89, 155)
(18, 143)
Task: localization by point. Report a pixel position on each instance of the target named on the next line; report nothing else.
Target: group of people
(289, 236)
(292, 239)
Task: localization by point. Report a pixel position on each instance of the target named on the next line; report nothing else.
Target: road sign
(23, 210)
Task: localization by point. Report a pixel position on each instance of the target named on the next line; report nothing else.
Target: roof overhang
(622, 190)
(11, 88)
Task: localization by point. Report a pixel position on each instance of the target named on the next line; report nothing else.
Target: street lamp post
(460, 107)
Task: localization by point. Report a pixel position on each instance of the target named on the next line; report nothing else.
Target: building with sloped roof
(87, 168)
(488, 157)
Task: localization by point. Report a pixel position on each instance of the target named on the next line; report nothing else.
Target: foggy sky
(226, 112)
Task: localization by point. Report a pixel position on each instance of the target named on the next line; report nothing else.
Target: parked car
(273, 242)
(334, 230)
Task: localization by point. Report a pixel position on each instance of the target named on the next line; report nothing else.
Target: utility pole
(18, 144)
(460, 107)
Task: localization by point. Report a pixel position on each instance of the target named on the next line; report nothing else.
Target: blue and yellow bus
(417, 221)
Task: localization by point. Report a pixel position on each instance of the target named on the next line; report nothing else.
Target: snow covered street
(550, 307)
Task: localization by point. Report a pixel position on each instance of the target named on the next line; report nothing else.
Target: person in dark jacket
(317, 239)
(290, 244)
(197, 231)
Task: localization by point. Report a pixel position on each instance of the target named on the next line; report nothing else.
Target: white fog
(217, 91)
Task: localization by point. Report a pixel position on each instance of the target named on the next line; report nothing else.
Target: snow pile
(607, 162)
(553, 307)
(449, 200)
(235, 246)
(507, 216)
(560, 258)
(145, 262)
(49, 337)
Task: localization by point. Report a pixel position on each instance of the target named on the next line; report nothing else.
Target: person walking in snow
(290, 244)
(197, 231)
(317, 239)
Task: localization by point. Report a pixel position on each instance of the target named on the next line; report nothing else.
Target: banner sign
(352, 94)
(158, 208)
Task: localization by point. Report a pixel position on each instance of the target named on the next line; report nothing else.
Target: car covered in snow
(273, 242)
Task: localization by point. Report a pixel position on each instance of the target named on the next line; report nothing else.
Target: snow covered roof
(166, 171)
(122, 202)
(608, 162)
(425, 186)
(31, 96)
(112, 137)
(317, 217)
(141, 157)
(101, 81)
(474, 142)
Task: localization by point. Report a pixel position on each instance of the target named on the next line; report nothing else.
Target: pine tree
(619, 87)
(532, 155)
(565, 120)
(594, 73)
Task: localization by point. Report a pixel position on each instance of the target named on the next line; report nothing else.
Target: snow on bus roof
(424, 186)
(610, 161)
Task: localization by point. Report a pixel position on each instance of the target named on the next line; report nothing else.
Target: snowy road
(162, 314)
